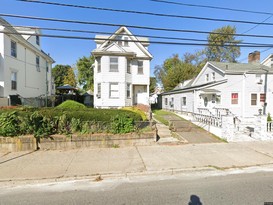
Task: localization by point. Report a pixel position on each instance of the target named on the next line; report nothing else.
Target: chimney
(254, 57)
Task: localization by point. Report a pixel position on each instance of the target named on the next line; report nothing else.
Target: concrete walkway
(131, 161)
(185, 131)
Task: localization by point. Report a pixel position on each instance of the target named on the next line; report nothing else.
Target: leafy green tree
(174, 71)
(85, 72)
(59, 72)
(223, 47)
(70, 78)
(152, 84)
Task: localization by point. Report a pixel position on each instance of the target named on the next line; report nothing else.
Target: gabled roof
(105, 41)
(240, 67)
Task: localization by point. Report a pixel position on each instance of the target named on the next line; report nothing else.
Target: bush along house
(232, 100)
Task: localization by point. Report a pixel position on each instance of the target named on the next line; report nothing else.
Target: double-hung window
(253, 99)
(114, 90)
(14, 80)
(184, 101)
(234, 98)
(140, 67)
(262, 97)
(13, 47)
(38, 63)
(128, 66)
(128, 90)
(99, 91)
(113, 64)
(99, 64)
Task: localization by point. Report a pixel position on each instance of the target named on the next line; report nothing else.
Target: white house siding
(177, 101)
(30, 82)
(105, 78)
(209, 70)
(1, 65)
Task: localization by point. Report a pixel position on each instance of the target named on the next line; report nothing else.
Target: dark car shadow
(194, 200)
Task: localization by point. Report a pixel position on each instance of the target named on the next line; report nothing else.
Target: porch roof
(209, 91)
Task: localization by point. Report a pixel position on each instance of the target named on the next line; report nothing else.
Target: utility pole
(46, 97)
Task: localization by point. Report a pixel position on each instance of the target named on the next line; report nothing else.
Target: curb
(200, 171)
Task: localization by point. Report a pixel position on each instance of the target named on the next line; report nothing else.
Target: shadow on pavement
(18, 157)
(194, 200)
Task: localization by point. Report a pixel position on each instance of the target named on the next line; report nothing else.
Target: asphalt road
(255, 188)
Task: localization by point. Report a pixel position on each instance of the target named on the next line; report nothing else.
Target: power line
(212, 7)
(139, 41)
(257, 25)
(149, 13)
(109, 33)
(129, 26)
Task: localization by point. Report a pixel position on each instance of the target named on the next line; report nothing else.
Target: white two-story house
(25, 69)
(122, 70)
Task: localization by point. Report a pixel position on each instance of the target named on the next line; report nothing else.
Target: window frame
(99, 91)
(234, 100)
(184, 101)
(166, 101)
(262, 97)
(129, 65)
(207, 77)
(13, 82)
(38, 40)
(253, 100)
(213, 76)
(128, 90)
(38, 63)
(111, 91)
(13, 51)
(114, 64)
(98, 64)
(140, 68)
(126, 41)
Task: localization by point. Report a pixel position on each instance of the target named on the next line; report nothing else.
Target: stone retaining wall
(55, 142)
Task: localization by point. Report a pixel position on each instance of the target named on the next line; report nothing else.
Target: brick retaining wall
(55, 142)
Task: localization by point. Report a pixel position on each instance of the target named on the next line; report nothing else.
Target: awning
(209, 91)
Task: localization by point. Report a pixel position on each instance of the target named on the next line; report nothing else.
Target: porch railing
(207, 119)
(269, 126)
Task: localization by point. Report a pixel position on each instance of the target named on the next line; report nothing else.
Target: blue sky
(66, 51)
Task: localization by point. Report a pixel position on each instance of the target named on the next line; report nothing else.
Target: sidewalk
(132, 161)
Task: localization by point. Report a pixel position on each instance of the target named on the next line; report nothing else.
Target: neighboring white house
(241, 90)
(122, 70)
(24, 68)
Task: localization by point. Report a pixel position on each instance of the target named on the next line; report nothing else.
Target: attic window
(126, 43)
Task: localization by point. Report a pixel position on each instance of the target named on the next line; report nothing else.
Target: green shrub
(9, 124)
(269, 119)
(122, 124)
(40, 126)
(71, 104)
(137, 111)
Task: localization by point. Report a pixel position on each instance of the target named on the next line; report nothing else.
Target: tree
(70, 78)
(85, 72)
(223, 47)
(174, 71)
(60, 73)
(152, 84)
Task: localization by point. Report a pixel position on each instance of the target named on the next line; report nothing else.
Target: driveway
(189, 132)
